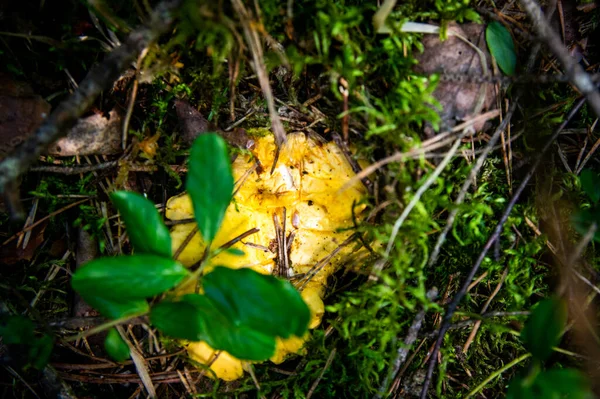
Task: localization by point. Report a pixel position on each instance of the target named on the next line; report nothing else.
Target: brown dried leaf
(454, 56)
(21, 113)
(11, 254)
(94, 135)
(193, 124)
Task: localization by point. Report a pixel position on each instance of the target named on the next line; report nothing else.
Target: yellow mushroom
(301, 204)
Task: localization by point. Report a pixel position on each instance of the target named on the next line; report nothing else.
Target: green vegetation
(331, 71)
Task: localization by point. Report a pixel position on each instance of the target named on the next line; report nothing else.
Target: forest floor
(482, 187)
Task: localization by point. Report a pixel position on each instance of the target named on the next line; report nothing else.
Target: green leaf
(128, 277)
(241, 312)
(583, 219)
(116, 348)
(501, 47)
(18, 334)
(147, 232)
(179, 319)
(261, 302)
(554, 383)
(517, 389)
(209, 183)
(230, 333)
(16, 329)
(116, 309)
(544, 327)
(590, 183)
(40, 351)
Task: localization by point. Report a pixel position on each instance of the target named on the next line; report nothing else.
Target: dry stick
(140, 364)
(467, 184)
(592, 151)
(573, 70)
(417, 197)
(495, 235)
(320, 377)
(255, 45)
(75, 170)
(470, 322)
(403, 350)
(483, 310)
(99, 79)
(441, 140)
(42, 220)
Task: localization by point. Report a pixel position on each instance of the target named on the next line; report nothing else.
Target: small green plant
(223, 316)
(543, 332)
(501, 47)
(25, 348)
(240, 311)
(584, 219)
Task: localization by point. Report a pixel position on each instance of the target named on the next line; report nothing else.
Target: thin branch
(413, 202)
(320, 377)
(573, 70)
(467, 184)
(491, 240)
(99, 79)
(403, 350)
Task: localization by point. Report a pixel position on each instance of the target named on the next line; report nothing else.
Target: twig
(256, 50)
(185, 242)
(255, 380)
(140, 364)
(413, 202)
(439, 141)
(485, 307)
(132, 98)
(99, 79)
(75, 170)
(573, 70)
(497, 373)
(315, 384)
(592, 150)
(473, 174)
(42, 220)
(403, 350)
(470, 322)
(495, 235)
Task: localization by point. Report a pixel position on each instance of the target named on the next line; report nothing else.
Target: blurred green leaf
(147, 232)
(590, 183)
(261, 302)
(128, 277)
(550, 384)
(209, 183)
(241, 312)
(40, 351)
(116, 348)
(583, 220)
(501, 47)
(179, 319)
(15, 329)
(116, 309)
(544, 327)
(18, 334)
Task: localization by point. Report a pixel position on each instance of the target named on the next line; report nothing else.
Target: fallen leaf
(193, 124)
(455, 57)
(94, 135)
(21, 113)
(11, 254)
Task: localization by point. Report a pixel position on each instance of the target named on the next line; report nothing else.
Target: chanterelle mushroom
(299, 212)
